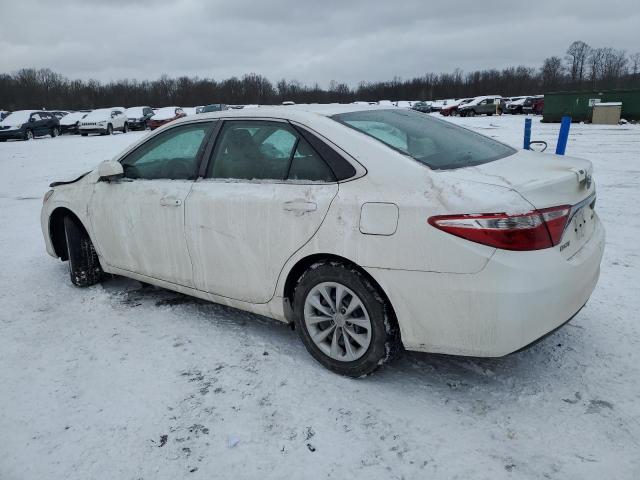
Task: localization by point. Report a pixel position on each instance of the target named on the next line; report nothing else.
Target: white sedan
(368, 228)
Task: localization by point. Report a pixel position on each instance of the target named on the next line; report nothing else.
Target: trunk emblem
(584, 177)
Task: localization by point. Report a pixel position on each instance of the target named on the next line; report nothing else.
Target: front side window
(263, 150)
(172, 154)
(436, 143)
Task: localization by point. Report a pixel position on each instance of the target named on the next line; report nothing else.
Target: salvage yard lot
(125, 381)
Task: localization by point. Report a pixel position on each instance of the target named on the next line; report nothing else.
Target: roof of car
(293, 112)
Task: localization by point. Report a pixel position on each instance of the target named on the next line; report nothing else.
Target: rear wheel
(84, 265)
(343, 320)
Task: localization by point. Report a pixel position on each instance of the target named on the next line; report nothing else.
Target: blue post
(527, 134)
(563, 136)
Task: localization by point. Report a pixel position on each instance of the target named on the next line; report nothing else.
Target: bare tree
(634, 61)
(596, 65)
(551, 71)
(578, 53)
(614, 63)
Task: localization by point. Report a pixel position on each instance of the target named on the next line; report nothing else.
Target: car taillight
(529, 231)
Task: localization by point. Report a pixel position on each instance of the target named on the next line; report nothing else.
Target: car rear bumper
(68, 129)
(136, 125)
(516, 299)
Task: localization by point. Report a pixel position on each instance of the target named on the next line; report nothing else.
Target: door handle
(299, 206)
(170, 202)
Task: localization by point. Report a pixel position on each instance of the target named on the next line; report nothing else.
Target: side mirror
(110, 170)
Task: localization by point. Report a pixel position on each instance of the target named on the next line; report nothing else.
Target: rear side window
(437, 144)
(263, 150)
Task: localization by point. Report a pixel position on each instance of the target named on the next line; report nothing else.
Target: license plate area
(579, 229)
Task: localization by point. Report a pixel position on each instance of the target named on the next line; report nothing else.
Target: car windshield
(436, 143)
(72, 118)
(134, 112)
(165, 113)
(17, 118)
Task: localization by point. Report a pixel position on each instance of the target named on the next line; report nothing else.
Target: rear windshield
(436, 143)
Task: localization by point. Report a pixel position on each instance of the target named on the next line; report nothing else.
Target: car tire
(84, 134)
(28, 134)
(371, 321)
(471, 113)
(109, 130)
(84, 265)
(55, 132)
(125, 129)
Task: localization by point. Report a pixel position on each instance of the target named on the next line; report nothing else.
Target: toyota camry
(369, 229)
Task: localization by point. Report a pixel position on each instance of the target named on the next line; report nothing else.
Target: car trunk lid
(546, 181)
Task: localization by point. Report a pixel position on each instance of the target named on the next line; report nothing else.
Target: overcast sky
(321, 40)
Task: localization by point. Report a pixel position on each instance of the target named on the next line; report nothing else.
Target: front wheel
(84, 265)
(343, 320)
(125, 129)
(28, 135)
(55, 132)
(471, 113)
(109, 129)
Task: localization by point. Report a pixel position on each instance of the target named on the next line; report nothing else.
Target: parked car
(484, 105)
(59, 113)
(70, 123)
(403, 104)
(534, 105)
(138, 117)
(423, 107)
(104, 121)
(165, 115)
(28, 124)
(436, 105)
(451, 108)
(367, 228)
(515, 106)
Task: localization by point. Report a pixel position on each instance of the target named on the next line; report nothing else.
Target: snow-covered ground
(123, 382)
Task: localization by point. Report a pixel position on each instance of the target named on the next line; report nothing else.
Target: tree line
(582, 67)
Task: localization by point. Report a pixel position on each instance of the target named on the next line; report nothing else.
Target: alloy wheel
(337, 321)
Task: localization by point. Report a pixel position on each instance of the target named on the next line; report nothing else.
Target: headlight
(47, 196)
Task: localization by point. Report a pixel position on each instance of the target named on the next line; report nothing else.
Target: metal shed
(579, 104)
(606, 113)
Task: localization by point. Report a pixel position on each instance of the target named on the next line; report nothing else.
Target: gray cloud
(308, 41)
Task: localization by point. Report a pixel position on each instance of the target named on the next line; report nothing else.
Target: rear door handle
(300, 206)
(170, 202)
